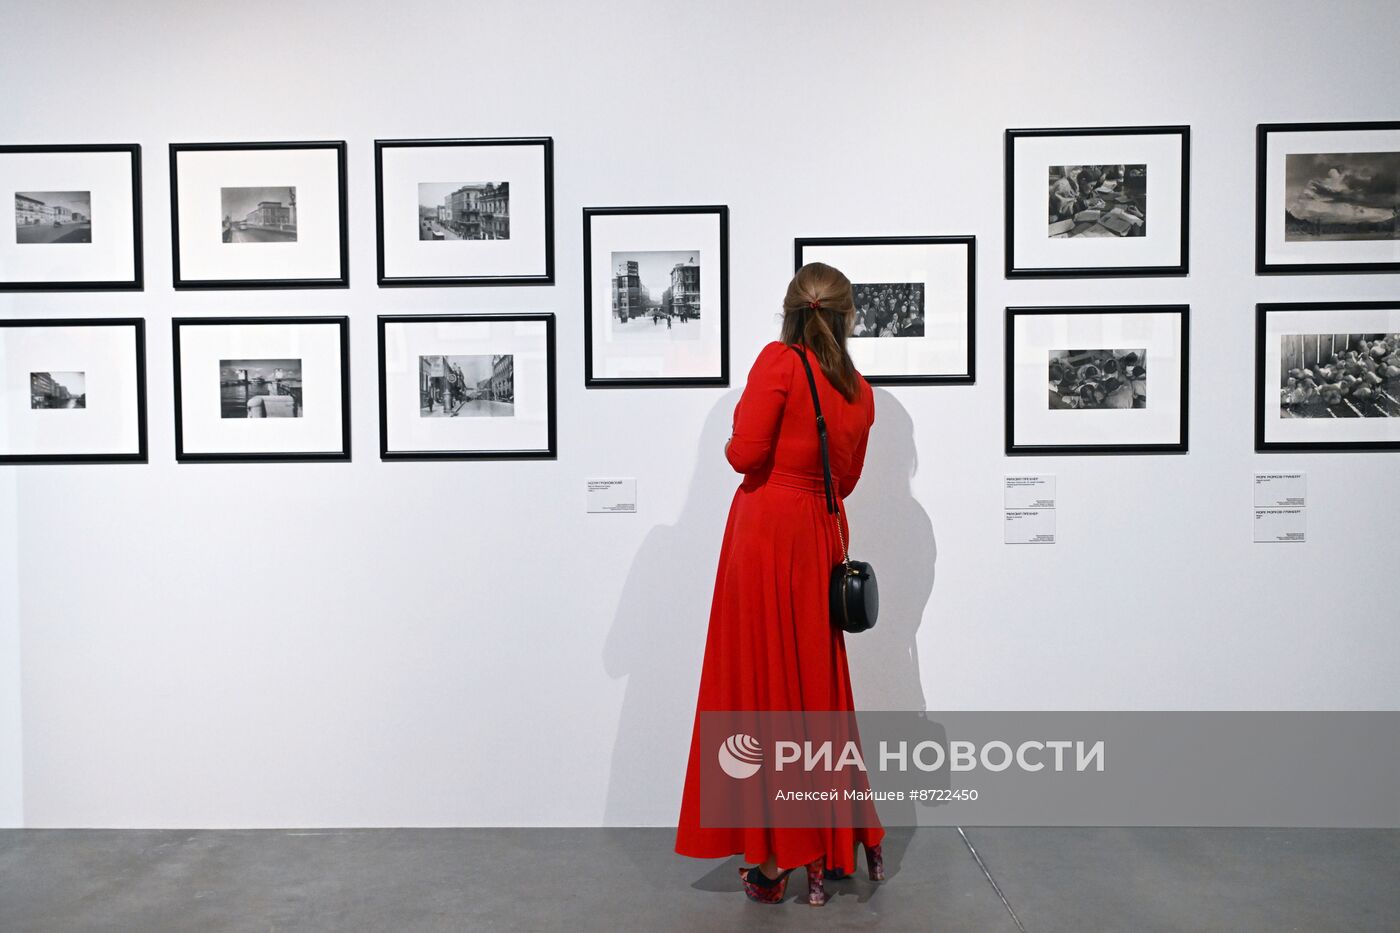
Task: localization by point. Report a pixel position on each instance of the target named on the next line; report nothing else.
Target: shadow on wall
(891, 530)
(657, 640)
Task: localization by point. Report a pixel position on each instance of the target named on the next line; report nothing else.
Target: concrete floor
(1080, 880)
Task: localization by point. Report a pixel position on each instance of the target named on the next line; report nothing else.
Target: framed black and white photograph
(259, 215)
(915, 299)
(1096, 380)
(1327, 198)
(73, 390)
(467, 387)
(77, 219)
(465, 211)
(1097, 201)
(656, 296)
(1327, 376)
(261, 388)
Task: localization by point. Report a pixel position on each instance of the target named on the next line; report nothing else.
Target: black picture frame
(969, 241)
(1264, 393)
(181, 283)
(550, 453)
(388, 281)
(138, 325)
(1180, 446)
(1180, 269)
(340, 321)
(1261, 178)
(590, 381)
(137, 281)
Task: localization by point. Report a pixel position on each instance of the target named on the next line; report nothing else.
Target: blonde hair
(818, 311)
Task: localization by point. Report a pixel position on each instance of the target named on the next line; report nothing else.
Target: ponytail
(817, 312)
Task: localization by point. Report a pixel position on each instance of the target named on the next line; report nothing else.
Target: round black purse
(854, 594)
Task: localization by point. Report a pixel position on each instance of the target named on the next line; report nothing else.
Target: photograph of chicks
(1339, 375)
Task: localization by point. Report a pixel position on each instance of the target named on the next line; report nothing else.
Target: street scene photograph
(260, 389)
(480, 385)
(260, 215)
(889, 309)
(1082, 379)
(656, 293)
(1339, 375)
(58, 390)
(1342, 196)
(53, 217)
(464, 210)
(1098, 200)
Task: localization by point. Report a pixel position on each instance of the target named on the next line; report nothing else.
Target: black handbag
(854, 594)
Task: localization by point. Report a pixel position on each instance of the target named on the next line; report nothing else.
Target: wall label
(1029, 492)
(1280, 525)
(1030, 526)
(612, 495)
(1280, 490)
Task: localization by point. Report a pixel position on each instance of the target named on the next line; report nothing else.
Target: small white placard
(1030, 492)
(612, 495)
(1280, 490)
(1030, 526)
(1280, 525)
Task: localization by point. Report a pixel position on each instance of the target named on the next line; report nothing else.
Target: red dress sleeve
(852, 475)
(759, 413)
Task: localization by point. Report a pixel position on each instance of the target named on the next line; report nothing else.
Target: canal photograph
(58, 390)
(260, 389)
(260, 215)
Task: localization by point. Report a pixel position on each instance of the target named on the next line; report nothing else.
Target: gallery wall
(370, 643)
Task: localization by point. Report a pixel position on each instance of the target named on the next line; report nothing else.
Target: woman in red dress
(771, 644)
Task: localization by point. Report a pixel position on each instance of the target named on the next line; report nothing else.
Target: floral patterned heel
(759, 887)
(816, 889)
(875, 861)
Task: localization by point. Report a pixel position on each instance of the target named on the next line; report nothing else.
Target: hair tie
(814, 304)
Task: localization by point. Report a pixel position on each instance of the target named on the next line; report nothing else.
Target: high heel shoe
(816, 889)
(875, 862)
(759, 887)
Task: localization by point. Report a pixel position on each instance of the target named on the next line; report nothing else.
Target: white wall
(459, 644)
(11, 740)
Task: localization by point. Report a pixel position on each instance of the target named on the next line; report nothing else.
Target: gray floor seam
(992, 881)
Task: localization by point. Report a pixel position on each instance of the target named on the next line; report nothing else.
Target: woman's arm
(760, 409)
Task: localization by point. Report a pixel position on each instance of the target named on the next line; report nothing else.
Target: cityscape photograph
(260, 389)
(260, 215)
(474, 386)
(656, 293)
(58, 390)
(53, 217)
(464, 210)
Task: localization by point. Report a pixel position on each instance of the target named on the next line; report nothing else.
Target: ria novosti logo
(740, 756)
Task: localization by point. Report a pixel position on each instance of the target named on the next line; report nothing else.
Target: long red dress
(771, 644)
